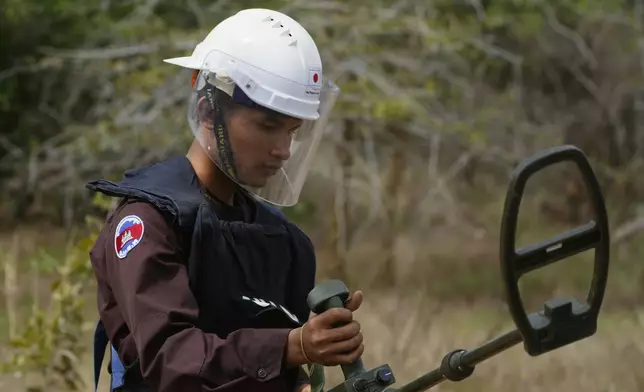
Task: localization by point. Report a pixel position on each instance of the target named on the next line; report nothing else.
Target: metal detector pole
(459, 364)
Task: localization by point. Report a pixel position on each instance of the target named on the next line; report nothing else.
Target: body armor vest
(243, 275)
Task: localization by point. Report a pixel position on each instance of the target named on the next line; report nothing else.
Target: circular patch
(128, 234)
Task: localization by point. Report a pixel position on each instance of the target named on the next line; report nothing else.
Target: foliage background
(440, 101)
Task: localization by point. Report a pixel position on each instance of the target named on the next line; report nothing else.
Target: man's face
(261, 142)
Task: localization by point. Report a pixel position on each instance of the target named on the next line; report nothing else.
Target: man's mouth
(272, 169)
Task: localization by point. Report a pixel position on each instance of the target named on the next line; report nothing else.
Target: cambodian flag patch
(128, 235)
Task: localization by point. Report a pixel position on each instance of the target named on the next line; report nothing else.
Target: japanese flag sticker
(315, 78)
(128, 234)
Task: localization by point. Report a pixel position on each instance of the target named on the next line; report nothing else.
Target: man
(202, 287)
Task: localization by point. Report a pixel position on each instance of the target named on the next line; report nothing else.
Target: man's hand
(303, 388)
(354, 301)
(330, 338)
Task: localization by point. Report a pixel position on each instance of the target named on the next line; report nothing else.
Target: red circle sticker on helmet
(314, 77)
(128, 234)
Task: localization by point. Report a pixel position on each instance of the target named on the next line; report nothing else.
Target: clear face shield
(265, 151)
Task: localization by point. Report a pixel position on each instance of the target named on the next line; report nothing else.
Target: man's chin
(257, 183)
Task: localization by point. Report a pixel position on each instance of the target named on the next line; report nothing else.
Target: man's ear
(205, 112)
(193, 81)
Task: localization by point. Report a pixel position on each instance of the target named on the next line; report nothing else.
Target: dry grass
(452, 302)
(412, 334)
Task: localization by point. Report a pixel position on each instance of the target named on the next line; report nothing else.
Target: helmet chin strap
(220, 133)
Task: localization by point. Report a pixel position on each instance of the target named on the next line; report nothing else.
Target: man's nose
(282, 150)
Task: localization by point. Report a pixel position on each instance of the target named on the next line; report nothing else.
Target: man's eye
(270, 126)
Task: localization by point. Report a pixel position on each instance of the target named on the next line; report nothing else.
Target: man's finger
(331, 317)
(354, 302)
(342, 332)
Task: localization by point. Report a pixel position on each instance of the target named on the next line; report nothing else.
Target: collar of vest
(172, 185)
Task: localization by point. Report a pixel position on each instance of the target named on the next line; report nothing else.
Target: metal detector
(561, 322)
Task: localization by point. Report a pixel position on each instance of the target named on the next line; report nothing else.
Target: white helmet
(261, 58)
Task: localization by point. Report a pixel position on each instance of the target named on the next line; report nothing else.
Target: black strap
(100, 343)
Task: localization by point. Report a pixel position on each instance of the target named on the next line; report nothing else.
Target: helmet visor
(267, 152)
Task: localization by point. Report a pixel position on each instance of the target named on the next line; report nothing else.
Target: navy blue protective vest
(243, 275)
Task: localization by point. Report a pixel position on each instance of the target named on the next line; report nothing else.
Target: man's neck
(210, 176)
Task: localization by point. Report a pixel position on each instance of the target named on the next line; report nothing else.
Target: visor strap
(224, 150)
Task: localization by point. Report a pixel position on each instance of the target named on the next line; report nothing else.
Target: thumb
(304, 388)
(354, 301)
